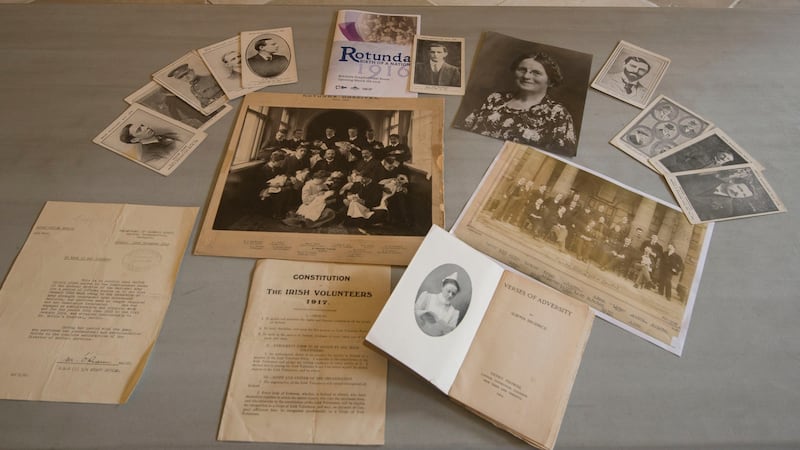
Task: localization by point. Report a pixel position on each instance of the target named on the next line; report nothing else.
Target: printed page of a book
(521, 366)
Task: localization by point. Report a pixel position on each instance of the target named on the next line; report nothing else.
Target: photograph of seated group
(635, 259)
(328, 178)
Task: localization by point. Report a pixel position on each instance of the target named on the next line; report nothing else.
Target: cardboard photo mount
(325, 244)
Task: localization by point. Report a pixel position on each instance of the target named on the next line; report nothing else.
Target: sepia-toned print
(724, 193)
(629, 256)
(526, 92)
(150, 139)
(437, 67)
(329, 168)
(189, 79)
(443, 299)
(362, 26)
(268, 57)
(224, 61)
(155, 97)
(711, 150)
(631, 74)
(664, 124)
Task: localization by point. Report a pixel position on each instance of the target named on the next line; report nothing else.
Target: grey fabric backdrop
(64, 71)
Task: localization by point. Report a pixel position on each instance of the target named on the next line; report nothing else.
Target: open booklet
(504, 345)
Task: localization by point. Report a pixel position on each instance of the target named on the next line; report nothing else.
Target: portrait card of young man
(154, 97)
(150, 139)
(631, 74)
(662, 125)
(224, 61)
(268, 58)
(189, 78)
(733, 192)
(438, 65)
(713, 149)
(526, 92)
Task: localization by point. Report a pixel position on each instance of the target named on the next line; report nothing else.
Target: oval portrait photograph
(443, 299)
(268, 55)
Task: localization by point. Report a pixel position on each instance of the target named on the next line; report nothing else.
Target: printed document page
(82, 306)
(302, 372)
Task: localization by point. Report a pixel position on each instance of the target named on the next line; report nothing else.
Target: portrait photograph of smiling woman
(526, 92)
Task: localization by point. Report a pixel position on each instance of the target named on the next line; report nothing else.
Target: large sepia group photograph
(310, 166)
(635, 259)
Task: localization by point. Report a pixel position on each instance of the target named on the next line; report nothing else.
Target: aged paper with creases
(302, 373)
(82, 306)
(523, 361)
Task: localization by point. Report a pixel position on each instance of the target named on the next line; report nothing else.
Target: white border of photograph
(188, 136)
(654, 75)
(212, 55)
(151, 87)
(395, 331)
(182, 89)
(436, 89)
(619, 140)
(678, 342)
(252, 80)
(691, 203)
(745, 158)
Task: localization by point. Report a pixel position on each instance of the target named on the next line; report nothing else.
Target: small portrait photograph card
(631, 74)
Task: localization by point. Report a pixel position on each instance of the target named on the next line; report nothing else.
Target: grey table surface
(64, 71)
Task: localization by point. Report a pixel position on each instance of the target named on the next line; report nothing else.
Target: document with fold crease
(302, 372)
(82, 306)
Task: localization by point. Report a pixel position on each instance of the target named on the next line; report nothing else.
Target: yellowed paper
(523, 360)
(82, 306)
(302, 373)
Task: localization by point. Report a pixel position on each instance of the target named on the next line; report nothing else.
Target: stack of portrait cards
(252, 60)
(713, 179)
(169, 115)
(711, 176)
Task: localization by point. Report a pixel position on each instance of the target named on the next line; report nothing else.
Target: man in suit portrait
(267, 63)
(628, 82)
(716, 196)
(155, 148)
(435, 71)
